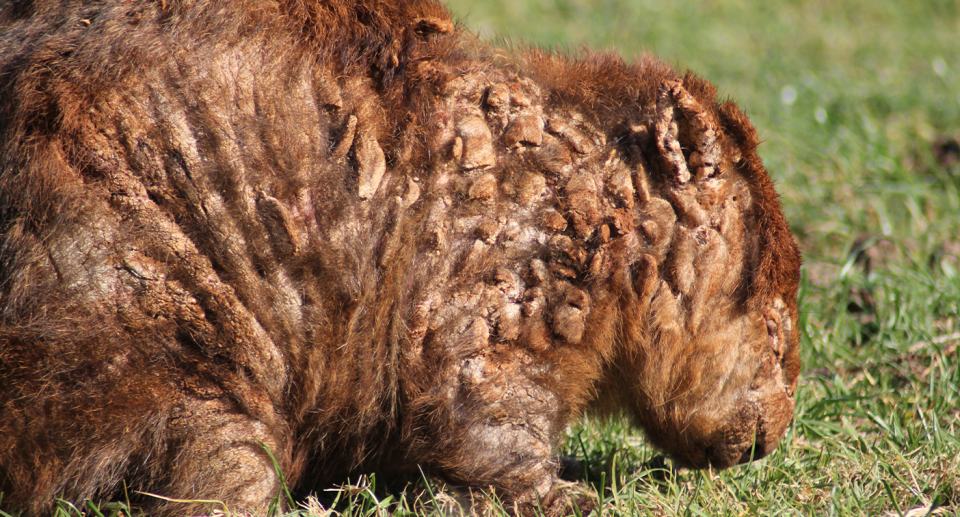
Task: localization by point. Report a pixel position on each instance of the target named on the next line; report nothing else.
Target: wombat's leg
(505, 419)
(218, 455)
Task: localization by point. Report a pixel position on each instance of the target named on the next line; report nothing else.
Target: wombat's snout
(762, 445)
(756, 452)
(742, 443)
(754, 429)
(772, 390)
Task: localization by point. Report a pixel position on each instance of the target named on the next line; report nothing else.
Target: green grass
(850, 97)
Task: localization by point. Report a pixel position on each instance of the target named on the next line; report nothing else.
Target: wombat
(347, 234)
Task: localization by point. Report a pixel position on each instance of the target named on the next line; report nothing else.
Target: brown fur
(347, 231)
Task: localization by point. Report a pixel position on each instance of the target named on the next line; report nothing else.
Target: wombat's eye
(774, 340)
(772, 329)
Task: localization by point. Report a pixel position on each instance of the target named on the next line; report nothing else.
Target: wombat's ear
(702, 130)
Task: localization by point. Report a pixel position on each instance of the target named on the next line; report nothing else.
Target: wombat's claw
(560, 503)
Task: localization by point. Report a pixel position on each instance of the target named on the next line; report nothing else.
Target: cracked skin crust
(352, 233)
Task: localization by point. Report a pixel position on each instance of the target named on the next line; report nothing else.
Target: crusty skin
(348, 232)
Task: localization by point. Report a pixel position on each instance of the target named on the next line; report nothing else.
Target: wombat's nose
(754, 453)
(762, 446)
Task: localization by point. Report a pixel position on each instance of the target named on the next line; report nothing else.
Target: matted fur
(348, 232)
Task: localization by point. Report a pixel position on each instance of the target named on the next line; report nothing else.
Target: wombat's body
(345, 232)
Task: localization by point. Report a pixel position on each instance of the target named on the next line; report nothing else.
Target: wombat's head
(729, 399)
(712, 340)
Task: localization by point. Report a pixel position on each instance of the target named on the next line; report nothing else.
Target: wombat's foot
(222, 456)
(585, 503)
(563, 500)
